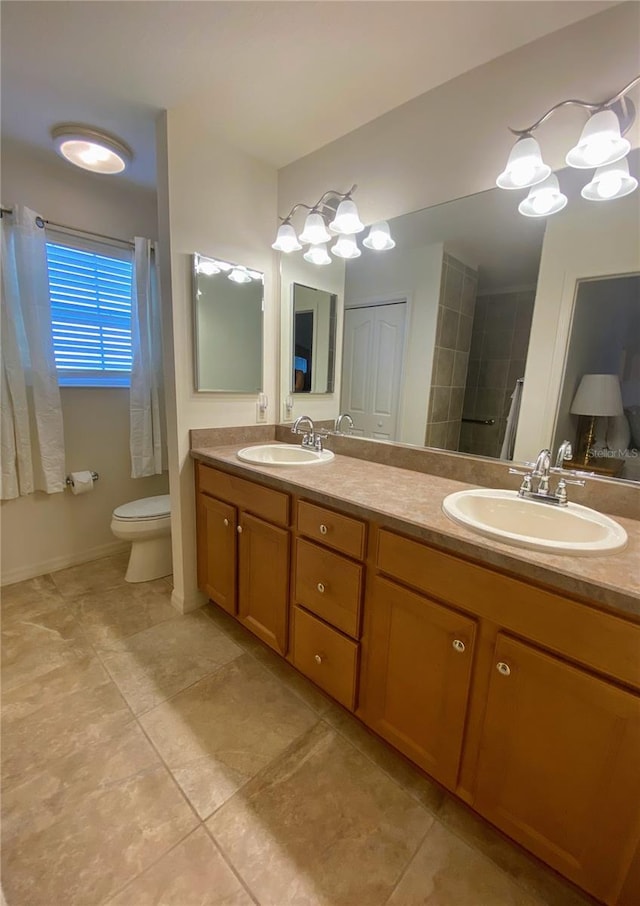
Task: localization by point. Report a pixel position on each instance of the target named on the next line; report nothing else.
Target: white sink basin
(283, 455)
(502, 515)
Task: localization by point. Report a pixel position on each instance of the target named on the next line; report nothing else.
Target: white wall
(415, 275)
(43, 532)
(220, 202)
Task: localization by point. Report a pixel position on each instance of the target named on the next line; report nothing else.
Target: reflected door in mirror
(314, 340)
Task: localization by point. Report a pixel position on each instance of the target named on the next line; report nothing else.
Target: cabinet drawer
(248, 495)
(342, 533)
(325, 656)
(605, 642)
(329, 585)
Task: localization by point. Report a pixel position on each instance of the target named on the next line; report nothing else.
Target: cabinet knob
(239, 529)
(320, 588)
(458, 645)
(317, 658)
(323, 529)
(503, 668)
(225, 522)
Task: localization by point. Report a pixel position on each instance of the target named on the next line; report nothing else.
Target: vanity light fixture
(600, 145)
(91, 148)
(236, 272)
(239, 275)
(334, 214)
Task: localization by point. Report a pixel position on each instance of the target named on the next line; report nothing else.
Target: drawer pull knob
(317, 658)
(239, 529)
(225, 522)
(458, 645)
(320, 588)
(503, 668)
(323, 529)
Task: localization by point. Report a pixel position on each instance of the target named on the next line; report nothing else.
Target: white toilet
(146, 524)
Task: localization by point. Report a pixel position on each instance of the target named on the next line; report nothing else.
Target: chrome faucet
(344, 417)
(541, 470)
(310, 437)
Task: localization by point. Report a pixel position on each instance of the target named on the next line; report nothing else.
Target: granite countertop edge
(410, 502)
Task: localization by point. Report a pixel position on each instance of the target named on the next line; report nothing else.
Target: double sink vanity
(509, 674)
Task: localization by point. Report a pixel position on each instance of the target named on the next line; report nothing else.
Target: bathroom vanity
(499, 672)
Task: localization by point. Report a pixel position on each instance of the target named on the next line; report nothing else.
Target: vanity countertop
(411, 503)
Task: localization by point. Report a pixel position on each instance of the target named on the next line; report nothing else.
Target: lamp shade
(347, 219)
(379, 237)
(525, 166)
(286, 240)
(346, 247)
(543, 199)
(598, 394)
(609, 182)
(317, 254)
(600, 142)
(239, 275)
(315, 229)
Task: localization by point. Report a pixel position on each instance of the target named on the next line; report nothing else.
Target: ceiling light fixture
(600, 145)
(91, 149)
(333, 213)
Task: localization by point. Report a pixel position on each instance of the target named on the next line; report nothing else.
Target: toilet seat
(147, 509)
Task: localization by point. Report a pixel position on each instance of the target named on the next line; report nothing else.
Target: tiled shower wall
(451, 354)
(499, 344)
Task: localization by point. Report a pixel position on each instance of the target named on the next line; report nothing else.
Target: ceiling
(280, 79)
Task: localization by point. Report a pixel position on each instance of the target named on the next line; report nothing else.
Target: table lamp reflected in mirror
(597, 396)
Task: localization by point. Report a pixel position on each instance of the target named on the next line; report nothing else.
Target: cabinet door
(418, 658)
(559, 766)
(216, 533)
(263, 576)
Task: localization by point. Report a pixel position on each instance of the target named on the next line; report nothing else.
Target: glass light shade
(91, 149)
(543, 199)
(346, 247)
(239, 275)
(598, 394)
(207, 267)
(600, 142)
(525, 166)
(315, 230)
(612, 181)
(317, 254)
(286, 240)
(347, 220)
(379, 237)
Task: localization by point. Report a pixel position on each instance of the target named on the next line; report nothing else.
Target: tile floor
(151, 759)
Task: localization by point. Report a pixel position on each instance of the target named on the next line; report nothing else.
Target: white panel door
(372, 368)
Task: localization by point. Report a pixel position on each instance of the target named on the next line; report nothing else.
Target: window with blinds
(90, 290)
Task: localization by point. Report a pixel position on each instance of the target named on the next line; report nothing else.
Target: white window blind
(90, 291)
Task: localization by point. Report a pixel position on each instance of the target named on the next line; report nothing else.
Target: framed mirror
(228, 312)
(475, 306)
(314, 313)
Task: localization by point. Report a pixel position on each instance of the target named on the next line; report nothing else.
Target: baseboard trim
(188, 604)
(11, 576)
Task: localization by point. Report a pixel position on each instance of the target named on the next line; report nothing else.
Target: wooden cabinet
(559, 765)
(243, 558)
(418, 657)
(326, 656)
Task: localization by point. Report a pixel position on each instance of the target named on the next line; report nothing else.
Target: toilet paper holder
(69, 480)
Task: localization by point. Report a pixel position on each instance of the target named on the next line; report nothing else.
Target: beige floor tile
(155, 664)
(448, 872)
(527, 871)
(79, 708)
(192, 874)
(296, 682)
(26, 600)
(34, 646)
(94, 576)
(220, 732)
(403, 772)
(322, 825)
(109, 616)
(231, 627)
(89, 823)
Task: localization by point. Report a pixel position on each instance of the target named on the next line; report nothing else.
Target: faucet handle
(519, 471)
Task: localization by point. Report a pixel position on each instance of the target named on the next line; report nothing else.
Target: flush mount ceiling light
(600, 145)
(91, 148)
(333, 213)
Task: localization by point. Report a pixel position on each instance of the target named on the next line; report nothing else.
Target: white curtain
(146, 374)
(32, 438)
(509, 441)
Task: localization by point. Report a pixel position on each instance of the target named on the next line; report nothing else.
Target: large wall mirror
(228, 305)
(314, 339)
(472, 316)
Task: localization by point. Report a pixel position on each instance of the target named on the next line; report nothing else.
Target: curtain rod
(41, 222)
